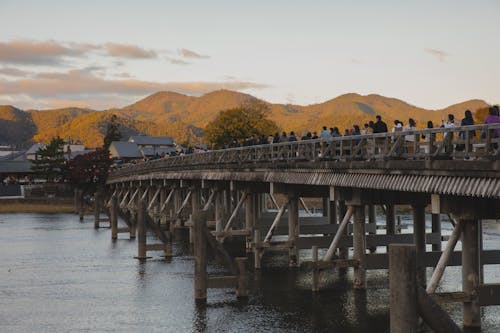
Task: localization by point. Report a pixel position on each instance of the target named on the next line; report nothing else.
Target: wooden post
(242, 289)
(162, 218)
(359, 242)
(390, 220)
(293, 230)
(436, 228)
(97, 208)
(403, 288)
(343, 251)
(372, 222)
(419, 241)
(76, 201)
(332, 213)
(113, 217)
(81, 207)
(326, 206)
(470, 272)
(141, 227)
(249, 219)
(133, 224)
(257, 249)
(219, 211)
(200, 248)
(315, 273)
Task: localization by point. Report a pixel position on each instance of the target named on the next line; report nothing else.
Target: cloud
(14, 72)
(441, 55)
(178, 61)
(36, 53)
(53, 53)
(84, 85)
(191, 54)
(129, 51)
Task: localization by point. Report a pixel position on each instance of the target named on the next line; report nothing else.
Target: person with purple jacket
(493, 118)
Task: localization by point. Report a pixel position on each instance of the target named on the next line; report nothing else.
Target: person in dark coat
(379, 126)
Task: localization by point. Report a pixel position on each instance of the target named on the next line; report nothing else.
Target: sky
(110, 53)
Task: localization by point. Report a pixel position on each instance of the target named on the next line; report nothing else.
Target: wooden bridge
(228, 193)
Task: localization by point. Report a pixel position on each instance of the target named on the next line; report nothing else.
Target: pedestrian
(315, 135)
(276, 138)
(283, 137)
(292, 136)
(325, 134)
(379, 126)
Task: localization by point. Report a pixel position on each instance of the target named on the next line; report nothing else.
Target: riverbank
(37, 205)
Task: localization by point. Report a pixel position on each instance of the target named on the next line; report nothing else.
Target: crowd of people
(372, 127)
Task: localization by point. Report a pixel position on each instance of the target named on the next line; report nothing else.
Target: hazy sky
(106, 53)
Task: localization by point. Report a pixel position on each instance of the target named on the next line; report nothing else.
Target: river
(60, 275)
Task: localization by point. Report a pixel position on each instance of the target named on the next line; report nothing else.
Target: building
(150, 146)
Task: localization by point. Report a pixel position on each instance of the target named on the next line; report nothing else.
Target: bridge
(255, 194)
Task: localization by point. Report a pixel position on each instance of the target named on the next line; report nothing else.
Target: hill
(184, 117)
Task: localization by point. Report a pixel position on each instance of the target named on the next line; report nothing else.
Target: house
(150, 146)
(125, 151)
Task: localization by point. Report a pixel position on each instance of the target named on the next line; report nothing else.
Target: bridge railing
(466, 142)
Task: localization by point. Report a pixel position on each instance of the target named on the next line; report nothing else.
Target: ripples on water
(59, 275)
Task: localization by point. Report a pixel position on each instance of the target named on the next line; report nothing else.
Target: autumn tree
(50, 163)
(238, 124)
(112, 132)
(89, 172)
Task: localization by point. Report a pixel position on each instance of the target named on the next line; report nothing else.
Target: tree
(89, 171)
(239, 124)
(50, 163)
(112, 132)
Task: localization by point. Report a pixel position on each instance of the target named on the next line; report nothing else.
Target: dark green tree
(50, 163)
(239, 124)
(112, 132)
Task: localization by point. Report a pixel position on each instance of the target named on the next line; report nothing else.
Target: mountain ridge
(184, 117)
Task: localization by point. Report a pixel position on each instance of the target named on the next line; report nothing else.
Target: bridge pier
(113, 217)
(293, 230)
(420, 242)
(471, 272)
(359, 244)
(200, 248)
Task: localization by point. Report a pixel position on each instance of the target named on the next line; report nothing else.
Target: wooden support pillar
(162, 218)
(332, 212)
(97, 208)
(403, 288)
(359, 242)
(419, 241)
(81, 206)
(113, 217)
(470, 272)
(326, 206)
(343, 251)
(250, 219)
(315, 273)
(372, 221)
(200, 248)
(436, 228)
(76, 203)
(390, 219)
(293, 230)
(177, 206)
(242, 289)
(257, 249)
(141, 227)
(219, 211)
(133, 223)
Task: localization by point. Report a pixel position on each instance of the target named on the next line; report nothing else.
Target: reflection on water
(59, 275)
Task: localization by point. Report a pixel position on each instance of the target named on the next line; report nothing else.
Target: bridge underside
(233, 200)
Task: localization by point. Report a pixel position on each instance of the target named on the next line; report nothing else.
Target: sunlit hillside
(184, 117)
